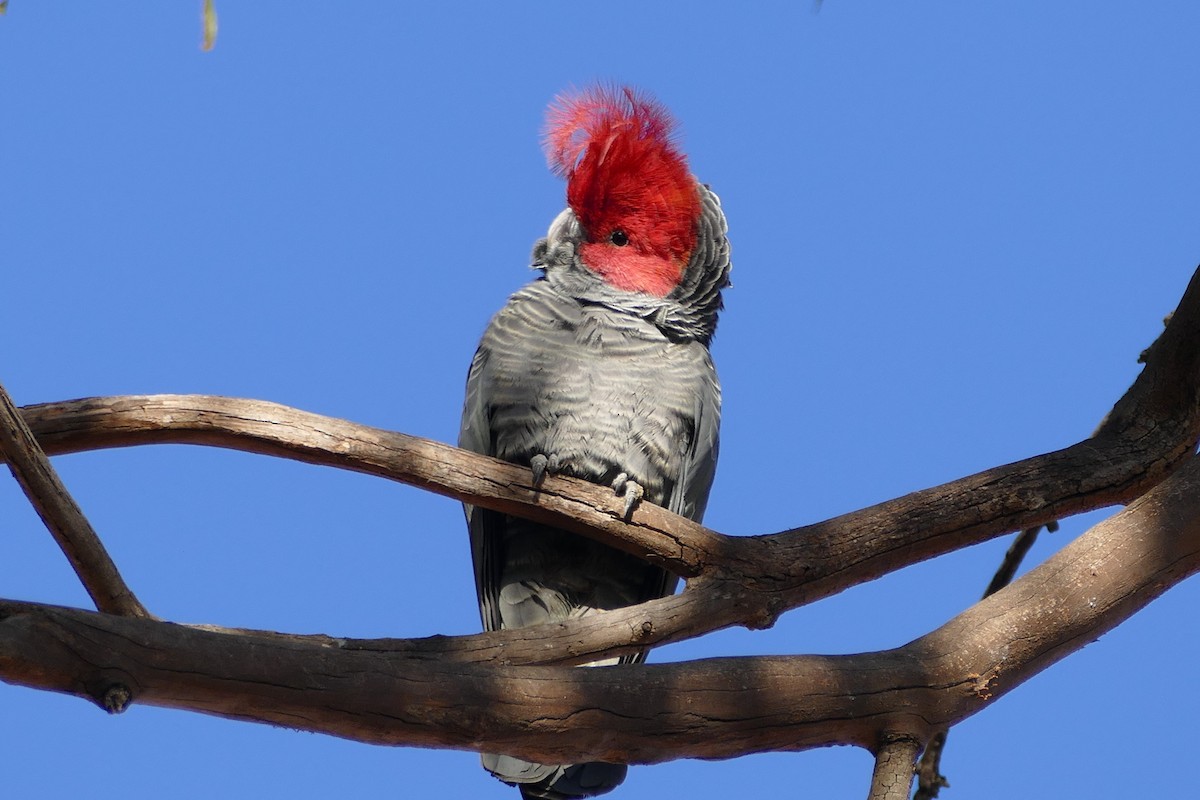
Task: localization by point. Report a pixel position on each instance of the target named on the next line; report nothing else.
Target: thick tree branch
(733, 580)
(930, 779)
(736, 580)
(714, 708)
(62, 515)
(266, 428)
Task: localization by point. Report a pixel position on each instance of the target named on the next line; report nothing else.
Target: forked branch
(436, 692)
(714, 708)
(732, 580)
(62, 515)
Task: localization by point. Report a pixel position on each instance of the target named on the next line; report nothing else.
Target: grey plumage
(606, 385)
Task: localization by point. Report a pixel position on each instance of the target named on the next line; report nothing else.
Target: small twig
(930, 779)
(893, 773)
(1013, 558)
(63, 516)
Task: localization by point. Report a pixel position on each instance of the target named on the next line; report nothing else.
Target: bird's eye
(618, 238)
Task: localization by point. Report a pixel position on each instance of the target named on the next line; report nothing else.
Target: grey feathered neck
(688, 312)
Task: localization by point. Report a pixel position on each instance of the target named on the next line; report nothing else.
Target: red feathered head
(628, 184)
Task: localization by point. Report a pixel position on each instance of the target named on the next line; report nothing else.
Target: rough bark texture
(62, 515)
(498, 691)
(893, 774)
(713, 708)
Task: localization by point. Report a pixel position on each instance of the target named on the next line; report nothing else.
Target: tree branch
(714, 708)
(1014, 556)
(930, 780)
(257, 426)
(893, 773)
(62, 515)
(732, 580)
(429, 693)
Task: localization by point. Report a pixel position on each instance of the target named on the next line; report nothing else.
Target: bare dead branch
(930, 780)
(893, 773)
(732, 580)
(266, 428)
(737, 581)
(1014, 556)
(714, 708)
(62, 515)
(429, 693)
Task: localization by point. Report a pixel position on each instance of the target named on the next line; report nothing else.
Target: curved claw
(543, 465)
(538, 464)
(632, 490)
(633, 496)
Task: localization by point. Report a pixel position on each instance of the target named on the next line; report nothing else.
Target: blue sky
(953, 228)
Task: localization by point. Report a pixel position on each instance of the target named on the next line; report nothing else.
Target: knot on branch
(116, 698)
(766, 614)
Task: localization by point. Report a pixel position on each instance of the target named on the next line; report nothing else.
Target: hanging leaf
(210, 25)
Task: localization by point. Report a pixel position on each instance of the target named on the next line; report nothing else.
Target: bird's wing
(689, 496)
(486, 527)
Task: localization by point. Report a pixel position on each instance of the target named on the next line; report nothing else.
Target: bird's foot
(632, 491)
(543, 465)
